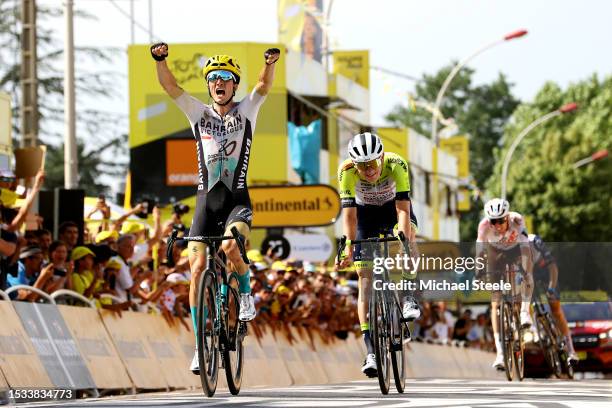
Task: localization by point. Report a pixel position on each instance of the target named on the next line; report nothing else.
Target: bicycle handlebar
(236, 235)
(344, 242)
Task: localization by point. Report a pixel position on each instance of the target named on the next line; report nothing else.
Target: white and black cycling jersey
(223, 143)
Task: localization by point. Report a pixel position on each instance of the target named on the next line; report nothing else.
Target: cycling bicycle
(219, 329)
(385, 314)
(550, 339)
(510, 330)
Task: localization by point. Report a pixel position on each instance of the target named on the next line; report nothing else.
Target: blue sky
(567, 40)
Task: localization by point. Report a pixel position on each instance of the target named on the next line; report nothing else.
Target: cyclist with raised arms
(545, 269)
(375, 194)
(223, 134)
(502, 235)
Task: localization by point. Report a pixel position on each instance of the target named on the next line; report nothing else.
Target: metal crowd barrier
(39, 292)
(66, 293)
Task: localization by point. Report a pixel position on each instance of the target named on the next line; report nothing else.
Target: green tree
(101, 129)
(478, 110)
(567, 204)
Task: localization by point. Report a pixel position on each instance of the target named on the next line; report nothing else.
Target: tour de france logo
(186, 70)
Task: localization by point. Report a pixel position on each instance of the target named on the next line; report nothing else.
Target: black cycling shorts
(373, 220)
(217, 209)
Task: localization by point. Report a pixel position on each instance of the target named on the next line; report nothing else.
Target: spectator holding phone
(85, 280)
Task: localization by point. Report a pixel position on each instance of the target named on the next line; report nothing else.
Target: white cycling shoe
(526, 320)
(195, 364)
(499, 362)
(410, 310)
(247, 307)
(369, 366)
(573, 357)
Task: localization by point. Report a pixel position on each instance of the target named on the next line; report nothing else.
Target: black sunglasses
(496, 221)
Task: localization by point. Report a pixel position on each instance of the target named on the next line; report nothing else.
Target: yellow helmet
(225, 62)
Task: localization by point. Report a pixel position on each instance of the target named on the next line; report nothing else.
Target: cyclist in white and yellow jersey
(502, 235)
(375, 194)
(223, 133)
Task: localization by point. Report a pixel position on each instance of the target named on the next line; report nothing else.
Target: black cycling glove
(269, 52)
(159, 57)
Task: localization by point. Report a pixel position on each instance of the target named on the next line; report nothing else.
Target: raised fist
(271, 55)
(159, 51)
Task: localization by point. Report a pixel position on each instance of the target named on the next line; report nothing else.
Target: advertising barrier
(274, 360)
(96, 346)
(168, 351)
(45, 346)
(19, 361)
(129, 336)
(315, 372)
(54, 345)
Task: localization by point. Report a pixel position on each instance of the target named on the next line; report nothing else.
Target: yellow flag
(291, 23)
(127, 200)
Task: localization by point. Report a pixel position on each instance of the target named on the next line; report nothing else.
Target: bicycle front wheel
(507, 337)
(519, 347)
(380, 331)
(208, 333)
(233, 356)
(396, 338)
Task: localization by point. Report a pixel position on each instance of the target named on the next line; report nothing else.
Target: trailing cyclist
(223, 134)
(375, 194)
(545, 268)
(501, 234)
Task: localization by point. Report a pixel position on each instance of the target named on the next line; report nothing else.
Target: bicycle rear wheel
(507, 337)
(379, 324)
(233, 356)
(398, 359)
(208, 333)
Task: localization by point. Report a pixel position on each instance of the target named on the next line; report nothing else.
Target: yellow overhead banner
(294, 206)
(394, 140)
(153, 114)
(291, 16)
(464, 201)
(354, 65)
(459, 147)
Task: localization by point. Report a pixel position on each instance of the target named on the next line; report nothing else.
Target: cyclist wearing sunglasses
(223, 134)
(504, 234)
(545, 269)
(375, 194)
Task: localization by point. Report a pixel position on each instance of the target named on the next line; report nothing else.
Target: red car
(591, 328)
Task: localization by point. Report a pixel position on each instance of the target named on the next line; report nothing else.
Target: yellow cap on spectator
(279, 266)
(254, 255)
(113, 264)
(104, 235)
(131, 227)
(79, 252)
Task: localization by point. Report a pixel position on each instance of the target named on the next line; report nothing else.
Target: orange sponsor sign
(181, 163)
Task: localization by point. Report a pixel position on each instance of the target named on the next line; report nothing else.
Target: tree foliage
(567, 204)
(478, 110)
(102, 130)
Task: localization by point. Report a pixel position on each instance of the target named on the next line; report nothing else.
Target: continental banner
(354, 65)
(162, 147)
(294, 206)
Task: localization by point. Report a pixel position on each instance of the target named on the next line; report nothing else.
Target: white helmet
(496, 208)
(365, 147)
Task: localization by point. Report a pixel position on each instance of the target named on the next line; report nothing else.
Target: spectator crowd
(121, 265)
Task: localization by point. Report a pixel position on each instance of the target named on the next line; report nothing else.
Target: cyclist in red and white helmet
(504, 234)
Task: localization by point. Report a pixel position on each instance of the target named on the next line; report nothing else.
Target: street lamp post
(434, 122)
(598, 155)
(570, 107)
(457, 68)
